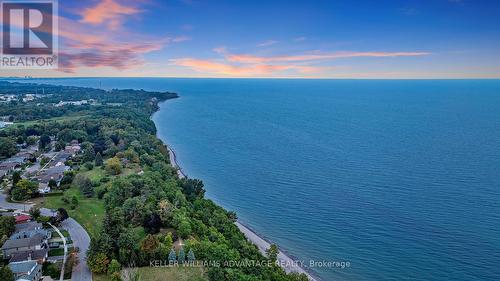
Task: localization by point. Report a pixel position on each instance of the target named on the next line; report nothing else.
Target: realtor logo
(29, 34)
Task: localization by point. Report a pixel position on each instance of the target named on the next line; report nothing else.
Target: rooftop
(35, 240)
(22, 267)
(32, 225)
(29, 255)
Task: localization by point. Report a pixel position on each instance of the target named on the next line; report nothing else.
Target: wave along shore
(289, 264)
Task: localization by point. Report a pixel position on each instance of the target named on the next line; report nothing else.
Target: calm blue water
(400, 178)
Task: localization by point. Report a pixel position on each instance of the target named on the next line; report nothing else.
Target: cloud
(251, 65)
(299, 39)
(84, 45)
(244, 58)
(108, 12)
(216, 67)
(267, 43)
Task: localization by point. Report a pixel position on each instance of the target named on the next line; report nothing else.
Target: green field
(89, 212)
(164, 274)
(56, 119)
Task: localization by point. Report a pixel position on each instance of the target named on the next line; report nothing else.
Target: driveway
(80, 237)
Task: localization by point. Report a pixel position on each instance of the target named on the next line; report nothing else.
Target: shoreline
(287, 263)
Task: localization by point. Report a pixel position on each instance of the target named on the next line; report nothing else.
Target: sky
(277, 39)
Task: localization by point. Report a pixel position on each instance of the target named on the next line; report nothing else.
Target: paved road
(78, 234)
(81, 239)
(17, 206)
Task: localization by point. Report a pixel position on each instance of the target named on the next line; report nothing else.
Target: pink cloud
(243, 58)
(215, 67)
(251, 65)
(108, 12)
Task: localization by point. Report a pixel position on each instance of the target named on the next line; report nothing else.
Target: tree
(150, 244)
(172, 257)
(35, 212)
(74, 202)
(98, 160)
(61, 216)
(165, 210)
(168, 241)
(60, 145)
(25, 189)
(84, 184)
(114, 166)
(182, 256)
(88, 153)
(44, 142)
(7, 147)
(31, 140)
(98, 263)
(272, 253)
(6, 274)
(52, 183)
(16, 177)
(193, 188)
(72, 260)
(114, 266)
(191, 258)
(184, 228)
(7, 226)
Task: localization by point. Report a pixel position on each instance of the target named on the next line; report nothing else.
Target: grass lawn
(89, 212)
(56, 252)
(57, 119)
(164, 274)
(95, 174)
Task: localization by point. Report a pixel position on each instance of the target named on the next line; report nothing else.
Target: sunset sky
(294, 39)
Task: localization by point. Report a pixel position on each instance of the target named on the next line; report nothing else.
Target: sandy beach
(289, 264)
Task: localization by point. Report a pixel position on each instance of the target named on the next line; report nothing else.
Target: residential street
(78, 234)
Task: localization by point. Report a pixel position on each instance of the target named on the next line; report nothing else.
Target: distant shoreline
(262, 244)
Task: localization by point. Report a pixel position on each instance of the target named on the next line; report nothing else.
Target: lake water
(399, 178)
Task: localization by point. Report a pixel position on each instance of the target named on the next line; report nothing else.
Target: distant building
(26, 270)
(55, 173)
(63, 103)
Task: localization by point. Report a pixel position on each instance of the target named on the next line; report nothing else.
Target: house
(40, 256)
(22, 219)
(29, 226)
(12, 246)
(55, 173)
(26, 270)
(72, 149)
(30, 233)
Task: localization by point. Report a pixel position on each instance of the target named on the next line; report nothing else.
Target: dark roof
(36, 239)
(29, 255)
(30, 233)
(29, 226)
(52, 173)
